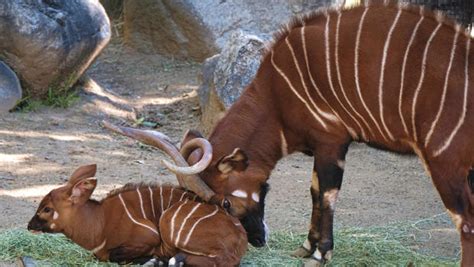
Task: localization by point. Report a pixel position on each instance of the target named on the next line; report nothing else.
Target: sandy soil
(38, 150)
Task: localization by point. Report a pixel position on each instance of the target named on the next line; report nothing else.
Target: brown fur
(151, 227)
(268, 109)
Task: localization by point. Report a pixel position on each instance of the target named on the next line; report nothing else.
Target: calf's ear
(235, 161)
(82, 172)
(82, 190)
(82, 184)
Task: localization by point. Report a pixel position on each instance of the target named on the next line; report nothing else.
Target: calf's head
(57, 208)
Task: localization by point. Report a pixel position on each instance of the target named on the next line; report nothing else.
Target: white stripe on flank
(284, 144)
(316, 116)
(356, 72)
(152, 202)
(174, 218)
(337, 118)
(196, 223)
(132, 219)
(98, 248)
(339, 78)
(332, 117)
(405, 59)
(170, 197)
(161, 199)
(297, 64)
(141, 204)
(464, 103)
(420, 82)
(445, 89)
(182, 195)
(183, 223)
(328, 71)
(382, 73)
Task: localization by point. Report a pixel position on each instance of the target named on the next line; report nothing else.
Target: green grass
(390, 245)
(58, 96)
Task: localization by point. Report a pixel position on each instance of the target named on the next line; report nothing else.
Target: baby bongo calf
(138, 222)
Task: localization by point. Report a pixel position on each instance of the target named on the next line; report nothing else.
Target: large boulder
(10, 89)
(197, 29)
(50, 43)
(226, 75)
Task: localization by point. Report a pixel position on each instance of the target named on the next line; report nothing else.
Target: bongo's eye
(47, 210)
(226, 204)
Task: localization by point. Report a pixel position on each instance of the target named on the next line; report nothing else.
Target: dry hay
(390, 245)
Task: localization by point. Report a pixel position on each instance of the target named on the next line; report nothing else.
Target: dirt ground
(38, 150)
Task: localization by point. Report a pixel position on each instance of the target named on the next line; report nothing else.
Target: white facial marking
(307, 245)
(317, 255)
(239, 193)
(52, 226)
(255, 197)
(284, 144)
(330, 197)
(55, 215)
(267, 231)
(341, 163)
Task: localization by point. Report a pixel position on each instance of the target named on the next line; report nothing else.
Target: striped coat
(394, 76)
(139, 221)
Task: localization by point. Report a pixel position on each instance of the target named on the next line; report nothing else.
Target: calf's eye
(47, 210)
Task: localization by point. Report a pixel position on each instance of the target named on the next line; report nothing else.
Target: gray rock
(50, 43)
(226, 75)
(197, 29)
(10, 89)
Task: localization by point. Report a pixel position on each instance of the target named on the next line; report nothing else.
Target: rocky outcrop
(197, 29)
(226, 75)
(10, 89)
(50, 43)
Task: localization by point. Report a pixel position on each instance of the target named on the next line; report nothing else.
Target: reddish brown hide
(138, 222)
(394, 76)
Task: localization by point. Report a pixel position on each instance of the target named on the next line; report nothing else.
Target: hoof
(312, 262)
(177, 260)
(328, 255)
(301, 252)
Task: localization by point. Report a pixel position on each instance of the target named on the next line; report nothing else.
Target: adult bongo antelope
(394, 76)
(138, 221)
